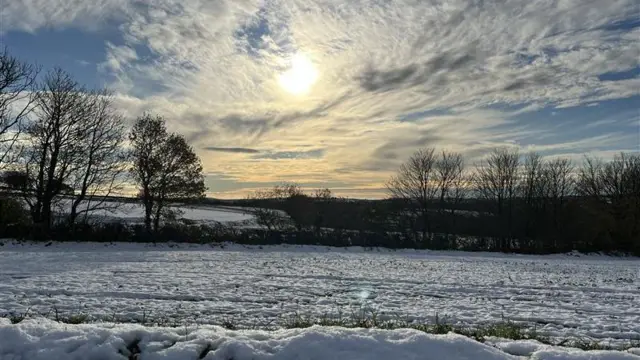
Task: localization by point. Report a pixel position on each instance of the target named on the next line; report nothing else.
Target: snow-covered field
(41, 339)
(134, 213)
(586, 297)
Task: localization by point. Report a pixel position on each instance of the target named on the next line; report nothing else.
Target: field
(590, 298)
(127, 212)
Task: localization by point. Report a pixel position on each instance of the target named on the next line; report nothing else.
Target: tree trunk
(73, 214)
(45, 217)
(148, 211)
(425, 230)
(156, 220)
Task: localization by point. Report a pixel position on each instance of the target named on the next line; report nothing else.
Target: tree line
(508, 202)
(63, 146)
(527, 203)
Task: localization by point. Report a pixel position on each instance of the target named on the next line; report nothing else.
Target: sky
(338, 93)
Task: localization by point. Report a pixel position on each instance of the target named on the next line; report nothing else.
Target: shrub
(14, 218)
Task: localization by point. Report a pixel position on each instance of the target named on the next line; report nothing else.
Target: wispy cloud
(299, 155)
(393, 75)
(232, 150)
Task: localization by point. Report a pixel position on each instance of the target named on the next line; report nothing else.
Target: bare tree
(283, 205)
(53, 142)
(449, 175)
(631, 176)
(607, 182)
(631, 203)
(619, 178)
(265, 215)
(449, 179)
(414, 184)
(298, 206)
(73, 149)
(287, 190)
(322, 203)
(496, 180)
(533, 191)
(323, 194)
(559, 181)
(165, 167)
(614, 191)
(589, 181)
(17, 81)
(532, 177)
(102, 168)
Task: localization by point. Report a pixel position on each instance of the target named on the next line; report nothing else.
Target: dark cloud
(389, 151)
(254, 126)
(394, 152)
(375, 80)
(370, 165)
(238, 124)
(232, 150)
(208, 129)
(277, 155)
(202, 133)
(535, 79)
(378, 80)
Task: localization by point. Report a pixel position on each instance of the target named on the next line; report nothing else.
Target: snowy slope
(41, 339)
(134, 213)
(591, 297)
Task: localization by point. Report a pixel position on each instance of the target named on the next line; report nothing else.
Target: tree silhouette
(17, 81)
(497, 181)
(165, 167)
(73, 149)
(414, 185)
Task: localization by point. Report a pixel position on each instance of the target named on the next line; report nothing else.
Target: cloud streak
(232, 150)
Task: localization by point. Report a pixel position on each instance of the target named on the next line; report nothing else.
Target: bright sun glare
(301, 75)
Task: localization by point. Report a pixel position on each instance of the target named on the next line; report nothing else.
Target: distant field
(134, 213)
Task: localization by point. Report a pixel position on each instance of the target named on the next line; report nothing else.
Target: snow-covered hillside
(134, 213)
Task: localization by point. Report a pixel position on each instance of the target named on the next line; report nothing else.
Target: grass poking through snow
(363, 318)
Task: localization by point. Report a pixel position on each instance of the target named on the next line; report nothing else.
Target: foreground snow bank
(44, 339)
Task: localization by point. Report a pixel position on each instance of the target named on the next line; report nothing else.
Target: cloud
(118, 57)
(593, 143)
(276, 155)
(413, 74)
(393, 75)
(232, 150)
(269, 154)
(30, 15)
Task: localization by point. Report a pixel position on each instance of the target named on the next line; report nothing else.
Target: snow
(563, 354)
(134, 213)
(37, 339)
(536, 350)
(563, 297)
(519, 348)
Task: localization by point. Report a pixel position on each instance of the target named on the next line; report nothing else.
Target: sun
(300, 76)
